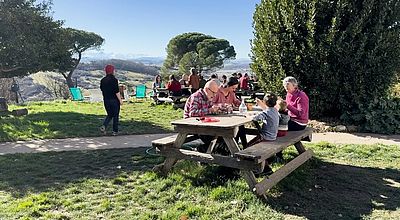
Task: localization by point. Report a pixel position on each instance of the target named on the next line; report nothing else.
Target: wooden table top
(225, 121)
(165, 89)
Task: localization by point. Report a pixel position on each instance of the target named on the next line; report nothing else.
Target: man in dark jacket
(112, 99)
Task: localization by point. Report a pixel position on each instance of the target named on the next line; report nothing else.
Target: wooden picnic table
(169, 98)
(247, 160)
(166, 90)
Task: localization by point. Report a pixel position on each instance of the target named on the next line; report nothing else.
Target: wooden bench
(170, 140)
(258, 153)
(167, 148)
(176, 101)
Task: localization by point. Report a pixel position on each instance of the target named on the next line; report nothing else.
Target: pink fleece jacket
(298, 106)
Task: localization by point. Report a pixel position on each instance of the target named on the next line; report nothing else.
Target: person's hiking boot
(103, 129)
(279, 157)
(114, 133)
(267, 170)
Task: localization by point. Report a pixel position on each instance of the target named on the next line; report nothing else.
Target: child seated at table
(269, 130)
(270, 118)
(283, 118)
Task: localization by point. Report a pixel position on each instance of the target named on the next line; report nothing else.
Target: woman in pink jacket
(297, 105)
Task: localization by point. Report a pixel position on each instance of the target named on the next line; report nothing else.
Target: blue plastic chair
(76, 94)
(141, 91)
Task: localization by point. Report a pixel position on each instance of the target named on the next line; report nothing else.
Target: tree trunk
(5, 89)
(68, 78)
(70, 83)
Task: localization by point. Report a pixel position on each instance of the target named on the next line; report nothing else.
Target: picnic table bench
(177, 100)
(249, 160)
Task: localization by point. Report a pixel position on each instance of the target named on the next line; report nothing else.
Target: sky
(144, 27)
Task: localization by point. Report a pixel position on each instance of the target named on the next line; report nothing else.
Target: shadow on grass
(214, 176)
(317, 190)
(23, 173)
(324, 190)
(68, 124)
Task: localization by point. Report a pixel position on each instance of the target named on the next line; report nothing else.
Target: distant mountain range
(146, 60)
(237, 64)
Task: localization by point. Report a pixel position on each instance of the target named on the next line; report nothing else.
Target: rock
(327, 128)
(3, 105)
(352, 128)
(340, 128)
(20, 112)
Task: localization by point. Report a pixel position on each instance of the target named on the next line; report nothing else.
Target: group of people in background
(189, 84)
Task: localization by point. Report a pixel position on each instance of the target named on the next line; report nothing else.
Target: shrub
(382, 116)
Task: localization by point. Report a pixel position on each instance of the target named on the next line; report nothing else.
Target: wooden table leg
(170, 161)
(300, 148)
(232, 145)
(247, 174)
(212, 145)
(271, 180)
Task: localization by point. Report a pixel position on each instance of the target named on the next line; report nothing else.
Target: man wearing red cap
(112, 99)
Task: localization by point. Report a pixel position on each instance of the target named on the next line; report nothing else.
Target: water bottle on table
(242, 107)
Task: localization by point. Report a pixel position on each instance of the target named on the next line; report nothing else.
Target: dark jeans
(242, 135)
(176, 93)
(112, 107)
(293, 126)
(186, 92)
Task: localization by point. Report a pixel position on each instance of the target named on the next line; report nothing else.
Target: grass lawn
(62, 119)
(341, 182)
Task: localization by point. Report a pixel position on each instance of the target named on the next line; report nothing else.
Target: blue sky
(144, 27)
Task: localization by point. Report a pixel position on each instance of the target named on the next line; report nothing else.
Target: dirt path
(356, 138)
(127, 141)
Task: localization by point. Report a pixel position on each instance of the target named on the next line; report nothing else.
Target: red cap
(109, 69)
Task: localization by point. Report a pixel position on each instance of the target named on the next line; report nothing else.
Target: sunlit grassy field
(341, 182)
(62, 119)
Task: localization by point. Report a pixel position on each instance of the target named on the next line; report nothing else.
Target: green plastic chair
(76, 94)
(141, 91)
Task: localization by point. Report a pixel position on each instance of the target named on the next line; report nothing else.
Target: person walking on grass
(112, 99)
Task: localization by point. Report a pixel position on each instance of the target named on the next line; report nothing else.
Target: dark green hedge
(382, 116)
(344, 53)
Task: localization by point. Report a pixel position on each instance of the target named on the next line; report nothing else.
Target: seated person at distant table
(174, 86)
(157, 84)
